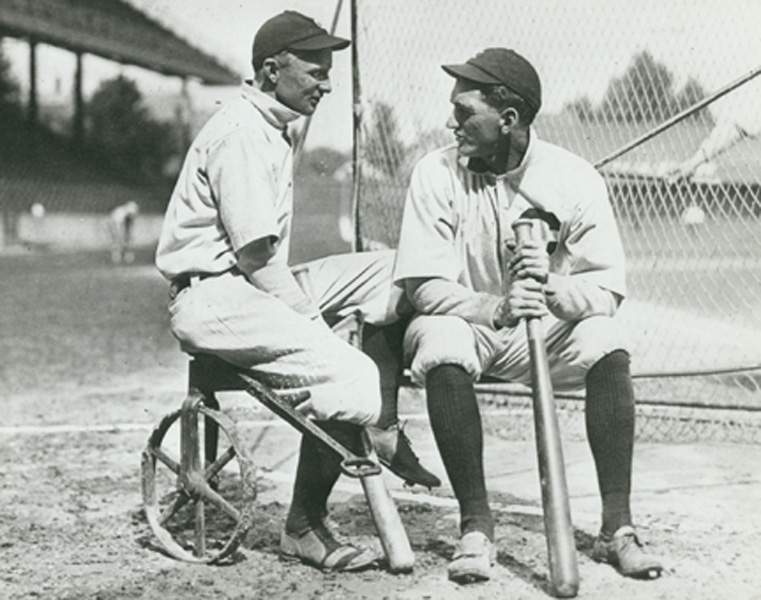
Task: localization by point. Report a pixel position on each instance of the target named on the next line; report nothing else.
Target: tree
(582, 108)
(642, 94)
(121, 129)
(385, 150)
(691, 93)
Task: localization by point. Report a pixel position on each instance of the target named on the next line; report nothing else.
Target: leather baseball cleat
(472, 559)
(395, 453)
(624, 551)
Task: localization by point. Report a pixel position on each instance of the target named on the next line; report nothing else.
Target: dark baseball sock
(384, 345)
(456, 424)
(610, 430)
(317, 472)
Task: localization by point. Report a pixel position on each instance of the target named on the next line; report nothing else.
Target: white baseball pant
(227, 316)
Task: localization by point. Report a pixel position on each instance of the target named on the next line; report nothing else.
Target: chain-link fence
(612, 72)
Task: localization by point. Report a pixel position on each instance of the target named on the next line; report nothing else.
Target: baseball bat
(388, 523)
(561, 549)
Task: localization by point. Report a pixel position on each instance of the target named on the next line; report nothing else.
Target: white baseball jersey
(457, 222)
(236, 186)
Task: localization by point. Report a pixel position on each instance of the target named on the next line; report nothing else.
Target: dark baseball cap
(500, 66)
(291, 30)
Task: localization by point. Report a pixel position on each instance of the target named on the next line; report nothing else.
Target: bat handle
(523, 229)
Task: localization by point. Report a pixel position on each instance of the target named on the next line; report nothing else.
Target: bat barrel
(393, 537)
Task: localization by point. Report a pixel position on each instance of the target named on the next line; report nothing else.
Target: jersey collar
(476, 165)
(275, 113)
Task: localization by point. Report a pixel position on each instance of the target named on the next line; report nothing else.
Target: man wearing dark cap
(470, 286)
(224, 248)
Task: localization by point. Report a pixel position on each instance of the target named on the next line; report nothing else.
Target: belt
(184, 280)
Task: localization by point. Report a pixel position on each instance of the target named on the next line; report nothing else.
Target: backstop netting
(611, 72)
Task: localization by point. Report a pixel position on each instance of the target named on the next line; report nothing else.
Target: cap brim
(470, 73)
(323, 41)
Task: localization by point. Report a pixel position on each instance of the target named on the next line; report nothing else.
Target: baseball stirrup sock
(317, 472)
(610, 430)
(456, 424)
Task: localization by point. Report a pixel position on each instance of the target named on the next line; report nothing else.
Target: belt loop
(194, 279)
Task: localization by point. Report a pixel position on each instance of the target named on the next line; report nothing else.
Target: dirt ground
(71, 523)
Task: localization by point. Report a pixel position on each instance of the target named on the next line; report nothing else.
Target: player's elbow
(256, 254)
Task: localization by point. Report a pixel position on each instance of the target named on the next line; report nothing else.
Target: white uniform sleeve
(427, 257)
(244, 187)
(593, 244)
(436, 296)
(426, 241)
(570, 298)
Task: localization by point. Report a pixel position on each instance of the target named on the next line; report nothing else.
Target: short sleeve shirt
(235, 186)
(457, 222)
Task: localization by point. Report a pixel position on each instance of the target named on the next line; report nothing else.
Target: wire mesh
(611, 72)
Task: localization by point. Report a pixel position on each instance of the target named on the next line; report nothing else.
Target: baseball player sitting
(224, 247)
(470, 286)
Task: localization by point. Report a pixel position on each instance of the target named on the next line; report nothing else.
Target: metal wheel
(195, 502)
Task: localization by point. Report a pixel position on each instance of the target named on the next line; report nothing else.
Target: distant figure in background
(120, 224)
(737, 116)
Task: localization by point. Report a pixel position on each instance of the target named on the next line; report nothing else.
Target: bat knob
(360, 467)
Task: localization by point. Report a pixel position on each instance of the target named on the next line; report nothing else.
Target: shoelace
(405, 437)
(629, 539)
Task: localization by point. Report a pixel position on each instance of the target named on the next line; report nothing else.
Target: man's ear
(510, 119)
(271, 70)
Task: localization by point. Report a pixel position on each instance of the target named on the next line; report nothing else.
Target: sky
(577, 47)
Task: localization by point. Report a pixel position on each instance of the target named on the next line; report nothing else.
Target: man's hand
(525, 298)
(530, 261)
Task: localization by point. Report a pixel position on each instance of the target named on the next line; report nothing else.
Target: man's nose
(451, 122)
(326, 87)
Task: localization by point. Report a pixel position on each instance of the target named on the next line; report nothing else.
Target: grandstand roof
(114, 30)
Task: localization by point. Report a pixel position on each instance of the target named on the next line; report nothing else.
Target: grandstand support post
(356, 130)
(78, 124)
(186, 117)
(32, 103)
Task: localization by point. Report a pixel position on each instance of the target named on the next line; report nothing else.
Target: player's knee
(361, 402)
(598, 337)
(433, 340)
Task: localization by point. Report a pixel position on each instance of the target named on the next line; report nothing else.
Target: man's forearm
(571, 298)
(437, 296)
(277, 279)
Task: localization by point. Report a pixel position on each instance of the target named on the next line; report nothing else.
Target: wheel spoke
(180, 501)
(219, 464)
(222, 504)
(167, 460)
(200, 549)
